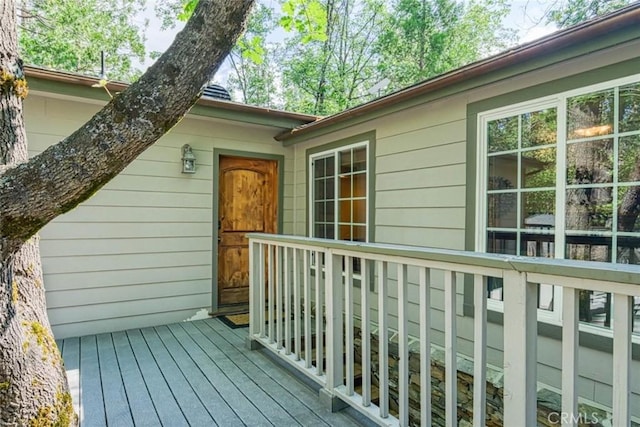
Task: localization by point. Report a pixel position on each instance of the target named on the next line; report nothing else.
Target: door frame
(221, 152)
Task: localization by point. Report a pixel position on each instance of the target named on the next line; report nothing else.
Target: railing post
(622, 327)
(334, 303)
(479, 350)
(256, 292)
(334, 294)
(348, 314)
(570, 355)
(279, 290)
(520, 350)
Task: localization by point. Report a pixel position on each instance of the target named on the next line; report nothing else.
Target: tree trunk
(33, 385)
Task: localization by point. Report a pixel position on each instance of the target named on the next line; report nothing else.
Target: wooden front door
(248, 195)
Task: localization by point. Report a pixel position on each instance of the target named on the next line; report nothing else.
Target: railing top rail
(608, 272)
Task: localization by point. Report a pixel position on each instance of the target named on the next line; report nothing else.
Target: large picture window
(561, 178)
(338, 193)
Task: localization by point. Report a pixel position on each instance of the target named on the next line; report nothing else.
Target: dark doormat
(235, 321)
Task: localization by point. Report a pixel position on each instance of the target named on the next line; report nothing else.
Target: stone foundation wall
(548, 400)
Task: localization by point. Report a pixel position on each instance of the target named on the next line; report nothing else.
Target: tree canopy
(310, 56)
(69, 35)
(565, 13)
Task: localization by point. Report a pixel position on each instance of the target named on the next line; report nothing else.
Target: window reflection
(590, 162)
(629, 113)
(600, 214)
(590, 115)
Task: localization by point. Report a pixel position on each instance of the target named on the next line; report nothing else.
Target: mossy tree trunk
(33, 385)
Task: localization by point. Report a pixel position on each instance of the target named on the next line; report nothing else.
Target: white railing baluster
(450, 350)
(297, 307)
(279, 297)
(261, 282)
(383, 338)
(479, 350)
(403, 346)
(622, 328)
(274, 271)
(365, 332)
(425, 347)
(334, 300)
(520, 349)
(262, 297)
(570, 355)
(348, 316)
(272, 293)
(264, 282)
(319, 314)
(287, 302)
(254, 291)
(307, 308)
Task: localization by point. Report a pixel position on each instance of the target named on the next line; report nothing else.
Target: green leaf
(187, 10)
(307, 17)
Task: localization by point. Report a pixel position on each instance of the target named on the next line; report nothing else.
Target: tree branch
(66, 174)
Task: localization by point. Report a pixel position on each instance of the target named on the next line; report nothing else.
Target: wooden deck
(187, 374)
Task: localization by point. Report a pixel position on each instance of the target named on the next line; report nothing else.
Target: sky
(525, 18)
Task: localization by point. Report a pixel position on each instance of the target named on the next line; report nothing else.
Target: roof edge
(115, 86)
(585, 31)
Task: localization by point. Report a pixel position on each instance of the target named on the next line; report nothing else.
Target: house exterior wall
(421, 196)
(139, 252)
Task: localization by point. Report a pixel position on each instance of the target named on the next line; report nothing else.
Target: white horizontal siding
(118, 278)
(111, 323)
(452, 196)
(137, 214)
(97, 296)
(123, 230)
(139, 252)
(94, 263)
(83, 313)
(150, 199)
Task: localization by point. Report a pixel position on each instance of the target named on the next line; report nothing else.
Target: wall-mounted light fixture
(188, 160)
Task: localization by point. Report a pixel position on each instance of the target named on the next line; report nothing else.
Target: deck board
(92, 401)
(267, 401)
(238, 336)
(309, 404)
(142, 410)
(204, 389)
(189, 402)
(187, 374)
(225, 384)
(167, 408)
(113, 391)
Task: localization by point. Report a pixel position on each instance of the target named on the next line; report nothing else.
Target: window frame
(335, 151)
(559, 101)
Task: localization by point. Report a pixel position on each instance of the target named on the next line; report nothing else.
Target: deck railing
(302, 307)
